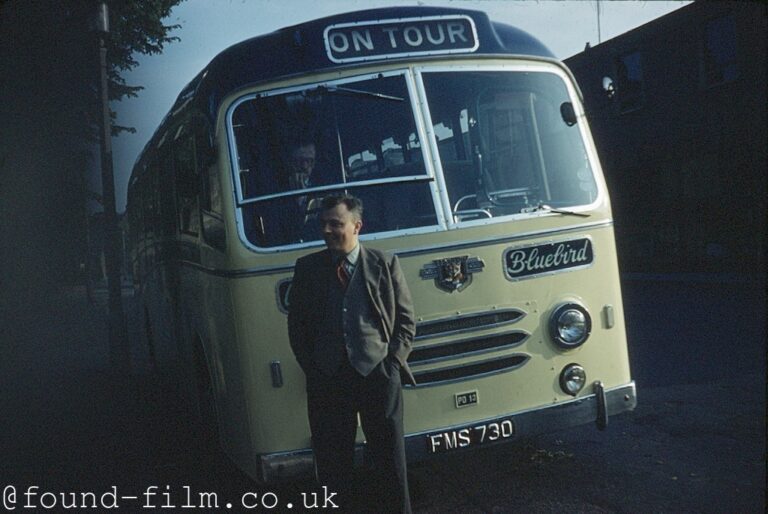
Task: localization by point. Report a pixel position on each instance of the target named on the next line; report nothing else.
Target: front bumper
(597, 408)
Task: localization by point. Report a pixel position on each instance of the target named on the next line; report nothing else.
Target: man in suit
(351, 326)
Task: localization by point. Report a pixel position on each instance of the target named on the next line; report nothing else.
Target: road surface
(695, 443)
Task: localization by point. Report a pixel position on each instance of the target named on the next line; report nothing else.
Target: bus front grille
(466, 347)
(466, 323)
(471, 370)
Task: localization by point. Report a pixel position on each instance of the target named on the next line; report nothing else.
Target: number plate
(467, 437)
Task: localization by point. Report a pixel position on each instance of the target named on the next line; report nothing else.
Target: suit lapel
(371, 268)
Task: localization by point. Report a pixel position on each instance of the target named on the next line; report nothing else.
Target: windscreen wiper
(359, 92)
(542, 207)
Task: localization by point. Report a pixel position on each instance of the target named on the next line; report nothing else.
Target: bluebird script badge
(405, 37)
(530, 261)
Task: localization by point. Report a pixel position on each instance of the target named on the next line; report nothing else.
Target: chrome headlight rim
(573, 378)
(556, 325)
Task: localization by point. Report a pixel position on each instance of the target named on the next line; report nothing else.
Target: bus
(468, 144)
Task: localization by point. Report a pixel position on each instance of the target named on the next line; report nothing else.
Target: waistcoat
(350, 328)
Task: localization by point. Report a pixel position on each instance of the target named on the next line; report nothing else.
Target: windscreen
(504, 145)
(296, 146)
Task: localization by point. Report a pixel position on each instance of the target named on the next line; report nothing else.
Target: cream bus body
(491, 359)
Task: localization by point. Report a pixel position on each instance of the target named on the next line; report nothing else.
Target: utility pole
(599, 35)
(118, 337)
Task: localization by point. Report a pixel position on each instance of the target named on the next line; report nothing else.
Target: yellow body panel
(278, 415)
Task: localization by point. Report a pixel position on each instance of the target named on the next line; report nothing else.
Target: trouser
(333, 403)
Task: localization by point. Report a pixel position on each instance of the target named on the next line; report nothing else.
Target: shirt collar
(353, 255)
(350, 257)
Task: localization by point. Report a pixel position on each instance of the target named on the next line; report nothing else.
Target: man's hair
(353, 203)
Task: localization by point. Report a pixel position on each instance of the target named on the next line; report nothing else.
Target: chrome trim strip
(285, 466)
(426, 229)
(534, 421)
(241, 273)
(473, 353)
(278, 299)
(626, 394)
(468, 377)
(418, 103)
(460, 245)
(522, 313)
(346, 185)
(443, 203)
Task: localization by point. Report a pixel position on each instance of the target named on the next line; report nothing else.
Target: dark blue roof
(301, 49)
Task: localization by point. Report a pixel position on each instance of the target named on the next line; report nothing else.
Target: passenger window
(187, 185)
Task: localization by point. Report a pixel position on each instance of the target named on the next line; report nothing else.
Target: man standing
(351, 325)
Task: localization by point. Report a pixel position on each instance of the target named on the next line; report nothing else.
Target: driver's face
(302, 165)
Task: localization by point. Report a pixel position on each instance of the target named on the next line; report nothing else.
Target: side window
(148, 202)
(212, 198)
(719, 64)
(629, 81)
(214, 233)
(211, 194)
(165, 188)
(187, 184)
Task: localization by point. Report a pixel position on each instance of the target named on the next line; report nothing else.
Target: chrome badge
(453, 273)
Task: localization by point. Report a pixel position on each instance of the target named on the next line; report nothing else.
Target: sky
(210, 26)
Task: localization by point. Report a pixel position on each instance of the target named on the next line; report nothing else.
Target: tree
(49, 68)
(136, 27)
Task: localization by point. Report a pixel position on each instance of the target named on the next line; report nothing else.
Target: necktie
(342, 273)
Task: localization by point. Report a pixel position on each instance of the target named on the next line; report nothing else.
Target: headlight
(572, 379)
(570, 325)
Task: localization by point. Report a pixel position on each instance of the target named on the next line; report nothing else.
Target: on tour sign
(402, 37)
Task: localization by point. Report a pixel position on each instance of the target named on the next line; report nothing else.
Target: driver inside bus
(301, 164)
(300, 168)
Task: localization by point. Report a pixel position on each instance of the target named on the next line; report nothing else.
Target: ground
(695, 443)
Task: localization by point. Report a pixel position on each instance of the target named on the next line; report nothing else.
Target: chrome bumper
(596, 408)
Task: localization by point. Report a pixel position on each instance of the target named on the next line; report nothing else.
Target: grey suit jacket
(387, 291)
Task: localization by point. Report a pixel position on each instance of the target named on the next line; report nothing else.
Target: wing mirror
(568, 114)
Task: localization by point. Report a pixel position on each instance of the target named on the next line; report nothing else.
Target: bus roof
(375, 35)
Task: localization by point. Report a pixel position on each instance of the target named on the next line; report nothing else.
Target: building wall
(683, 138)
(48, 65)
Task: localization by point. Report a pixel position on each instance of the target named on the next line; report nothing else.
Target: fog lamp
(572, 379)
(570, 325)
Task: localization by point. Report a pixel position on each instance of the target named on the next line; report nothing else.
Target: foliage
(136, 27)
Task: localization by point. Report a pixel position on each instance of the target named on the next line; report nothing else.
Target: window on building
(629, 81)
(719, 55)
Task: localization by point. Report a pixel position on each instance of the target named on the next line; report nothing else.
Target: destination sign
(529, 261)
(405, 37)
